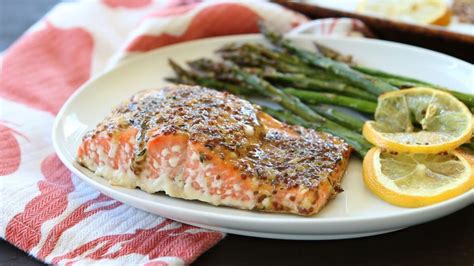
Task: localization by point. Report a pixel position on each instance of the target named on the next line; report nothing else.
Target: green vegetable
(333, 99)
(369, 83)
(346, 119)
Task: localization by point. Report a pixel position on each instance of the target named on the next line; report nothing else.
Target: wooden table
(447, 241)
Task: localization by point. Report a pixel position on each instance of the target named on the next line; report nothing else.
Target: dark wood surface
(446, 241)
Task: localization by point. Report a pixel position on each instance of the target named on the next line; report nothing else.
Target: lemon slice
(415, 180)
(419, 120)
(424, 12)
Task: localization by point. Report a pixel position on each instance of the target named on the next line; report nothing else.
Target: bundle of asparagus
(307, 85)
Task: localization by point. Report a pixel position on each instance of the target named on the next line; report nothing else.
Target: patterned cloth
(44, 209)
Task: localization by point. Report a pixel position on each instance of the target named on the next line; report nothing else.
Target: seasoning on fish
(196, 143)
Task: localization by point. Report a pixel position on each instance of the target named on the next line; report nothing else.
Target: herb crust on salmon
(196, 143)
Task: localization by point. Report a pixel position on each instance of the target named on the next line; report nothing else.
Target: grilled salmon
(197, 143)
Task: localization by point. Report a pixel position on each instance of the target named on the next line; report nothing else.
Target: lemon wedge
(419, 120)
(415, 180)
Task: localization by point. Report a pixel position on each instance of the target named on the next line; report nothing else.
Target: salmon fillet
(196, 143)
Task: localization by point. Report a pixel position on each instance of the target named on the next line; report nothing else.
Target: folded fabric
(44, 209)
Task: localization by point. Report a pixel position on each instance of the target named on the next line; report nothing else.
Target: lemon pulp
(429, 119)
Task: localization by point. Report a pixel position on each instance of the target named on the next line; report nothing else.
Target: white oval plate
(354, 213)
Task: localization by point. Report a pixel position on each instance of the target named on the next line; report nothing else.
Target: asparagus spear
(288, 117)
(187, 77)
(303, 82)
(396, 80)
(369, 83)
(403, 81)
(333, 54)
(307, 83)
(210, 68)
(262, 51)
(288, 101)
(382, 74)
(356, 140)
(343, 118)
(329, 98)
(257, 58)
